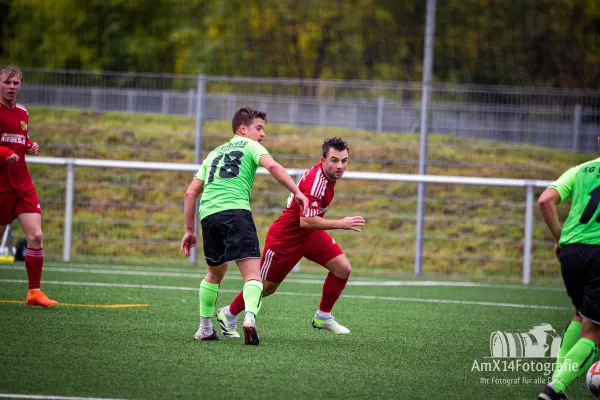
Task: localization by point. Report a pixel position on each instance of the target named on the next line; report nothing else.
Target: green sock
(253, 291)
(571, 336)
(576, 363)
(208, 298)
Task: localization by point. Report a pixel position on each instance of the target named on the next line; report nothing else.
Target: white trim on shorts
(596, 322)
(237, 259)
(264, 269)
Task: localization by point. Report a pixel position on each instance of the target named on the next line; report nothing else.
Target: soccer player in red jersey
(18, 198)
(295, 235)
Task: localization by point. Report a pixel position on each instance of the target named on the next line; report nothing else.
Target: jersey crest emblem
(23, 125)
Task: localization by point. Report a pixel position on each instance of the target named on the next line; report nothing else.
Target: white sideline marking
(416, 283)
(410, 299)
(41, 396)
(231, 272)
(116, 272)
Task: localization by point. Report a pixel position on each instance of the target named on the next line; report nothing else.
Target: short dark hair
(245, 116)
(335, 142)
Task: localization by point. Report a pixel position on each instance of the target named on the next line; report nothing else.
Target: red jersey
(14, 139)
(320, 191)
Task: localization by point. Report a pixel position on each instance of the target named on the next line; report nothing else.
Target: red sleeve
(5, 152)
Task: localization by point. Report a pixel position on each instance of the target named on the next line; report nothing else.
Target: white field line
(49, 397)
(380, 298)
(233, 271)
(417, 283)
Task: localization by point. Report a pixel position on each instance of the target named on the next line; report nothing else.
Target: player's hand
(189, 240)
(351, 223)
(13, 158)
(557, 251)
(34, 149)
(302, 202)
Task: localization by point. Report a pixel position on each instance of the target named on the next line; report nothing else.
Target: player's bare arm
(189, 212)
(279, 173)
(317, 222)
(547, 203)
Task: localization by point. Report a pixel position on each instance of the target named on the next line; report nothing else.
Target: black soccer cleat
(550, 394)
(250, 332)
(251, 336)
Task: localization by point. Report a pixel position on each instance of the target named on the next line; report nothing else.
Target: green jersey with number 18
(228, 173)
(582, 184)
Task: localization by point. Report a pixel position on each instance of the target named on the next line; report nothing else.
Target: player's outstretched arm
(348, 223)
(189, 212)
(279, 173)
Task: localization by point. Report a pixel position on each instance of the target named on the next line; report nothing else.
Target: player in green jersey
(228, 233)
(577, 246)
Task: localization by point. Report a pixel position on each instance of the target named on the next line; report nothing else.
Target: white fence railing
(528, 187)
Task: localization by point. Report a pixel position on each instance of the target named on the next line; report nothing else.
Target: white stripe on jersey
(264, 269)
(313, 190)
(321, 193)
(319, 185)
(22, 108)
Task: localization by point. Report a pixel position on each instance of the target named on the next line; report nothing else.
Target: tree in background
(116, 35)
(532, 42)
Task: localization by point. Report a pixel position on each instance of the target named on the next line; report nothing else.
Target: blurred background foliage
(550, 43)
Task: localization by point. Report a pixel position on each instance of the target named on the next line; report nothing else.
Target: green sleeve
(564, 184)
(257, 151)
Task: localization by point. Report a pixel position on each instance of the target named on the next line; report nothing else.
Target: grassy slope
(484, 223)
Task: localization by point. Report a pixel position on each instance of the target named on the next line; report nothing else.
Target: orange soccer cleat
(39, 298)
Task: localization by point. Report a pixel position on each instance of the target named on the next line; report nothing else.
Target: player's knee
(216, 274)
(347, 271)
(35, 238)
(344, 270)
(268, 289)
(592, 334)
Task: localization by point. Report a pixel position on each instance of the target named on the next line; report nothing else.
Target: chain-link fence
(556, 118)
(132, 216)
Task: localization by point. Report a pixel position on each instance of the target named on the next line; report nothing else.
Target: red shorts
(13, 204)
(278, 260)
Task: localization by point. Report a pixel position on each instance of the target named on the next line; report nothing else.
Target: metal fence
(131, 212)
(556, 118)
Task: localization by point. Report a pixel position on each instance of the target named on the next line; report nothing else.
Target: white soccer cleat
(206, 334)
(228, 325)
(330, 325)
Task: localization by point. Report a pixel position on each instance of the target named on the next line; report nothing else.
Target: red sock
(34, 261)
(332, 289)
(237, 305)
